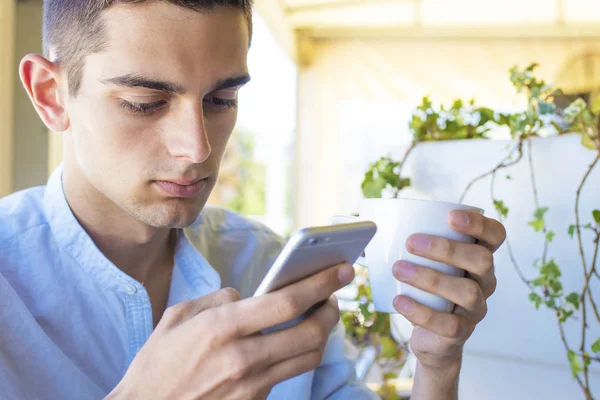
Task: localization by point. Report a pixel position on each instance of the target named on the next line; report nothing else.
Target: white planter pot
(516, 352)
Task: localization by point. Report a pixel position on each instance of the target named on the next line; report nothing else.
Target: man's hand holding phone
(211, 347)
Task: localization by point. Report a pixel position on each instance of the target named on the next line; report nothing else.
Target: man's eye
(221, 103)
(142, 108)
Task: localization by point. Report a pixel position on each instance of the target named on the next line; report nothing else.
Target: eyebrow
(132, 81)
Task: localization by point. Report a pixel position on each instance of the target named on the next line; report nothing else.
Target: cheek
(111, 144)
(219, 131)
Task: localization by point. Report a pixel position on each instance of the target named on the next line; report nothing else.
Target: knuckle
(240, 365)
(229, 295)
(290, 306)
(486, 260)
(472, 294)
(317, 332)
(428, 317)
(430, 279)
(492, 286)
(447, 247)
(501, 233)
(478, 223)
(177, 312)
(484, 311)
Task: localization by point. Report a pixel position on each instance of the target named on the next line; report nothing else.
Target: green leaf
(587, 226)
(508, 177)
(364, 310)
(555, 286)
(574, 362)
(373, 188)
(564, 315)
(389, 348)
(549, 236)
(536, 300)
(596, 214)
(538, 225)
(571, 230)
(546, 108)
(381, 322)
(587, 142)
(574, 110)
(587, 117)
(573, 299)
(596, 346)
(537, 282)
(501, 208)
(540, 212)
(551, 270)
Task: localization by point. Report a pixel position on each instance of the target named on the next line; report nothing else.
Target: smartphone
(312, 250)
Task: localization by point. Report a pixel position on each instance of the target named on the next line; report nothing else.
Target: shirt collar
(75, 241)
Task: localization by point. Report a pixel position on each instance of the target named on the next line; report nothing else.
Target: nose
(188, 138)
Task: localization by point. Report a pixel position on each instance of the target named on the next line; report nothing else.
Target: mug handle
(344, 219)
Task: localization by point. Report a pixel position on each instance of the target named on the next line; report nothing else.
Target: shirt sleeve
(335, 379)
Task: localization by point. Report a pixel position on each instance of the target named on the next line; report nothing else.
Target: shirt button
(129, 289)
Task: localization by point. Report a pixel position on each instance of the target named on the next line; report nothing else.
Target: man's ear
(41, 79)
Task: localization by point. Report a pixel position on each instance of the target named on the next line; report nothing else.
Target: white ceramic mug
(396, 220)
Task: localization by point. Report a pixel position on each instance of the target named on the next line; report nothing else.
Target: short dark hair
(74, 29)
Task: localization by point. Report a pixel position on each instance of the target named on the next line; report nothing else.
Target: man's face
(154, 112)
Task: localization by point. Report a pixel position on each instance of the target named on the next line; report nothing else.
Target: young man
(110, 277)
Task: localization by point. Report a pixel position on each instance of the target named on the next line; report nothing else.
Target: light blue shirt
(71, 322)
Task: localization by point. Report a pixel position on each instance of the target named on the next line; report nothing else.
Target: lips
(182, 188)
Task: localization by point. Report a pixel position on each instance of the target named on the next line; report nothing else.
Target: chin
(179, 215)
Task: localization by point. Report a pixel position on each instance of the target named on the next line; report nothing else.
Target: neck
(135, 248)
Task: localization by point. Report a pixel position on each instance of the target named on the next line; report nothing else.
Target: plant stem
(577, 224)
(403, 161)
(567, 348)
(507, 242)
(585, 271)
(594, 358)
(587, 280)
(501, 165)
(535, 194)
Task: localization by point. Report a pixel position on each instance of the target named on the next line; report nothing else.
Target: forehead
(162, 40)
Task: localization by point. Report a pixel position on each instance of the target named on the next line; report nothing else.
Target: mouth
(182, 188)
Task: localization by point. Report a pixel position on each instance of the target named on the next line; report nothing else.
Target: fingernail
(345, 274)
(419, 242)
(459, 218)
(404, 269)
(403, 304)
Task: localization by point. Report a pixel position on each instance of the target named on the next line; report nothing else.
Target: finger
(310, 335)
(488, 231)
(488, 283)
(288, 303)
(186, 310)
(461, 291)
(286, 370)
(451, 326)
(473, 258)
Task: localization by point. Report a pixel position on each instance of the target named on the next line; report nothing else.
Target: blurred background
(334, 87)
